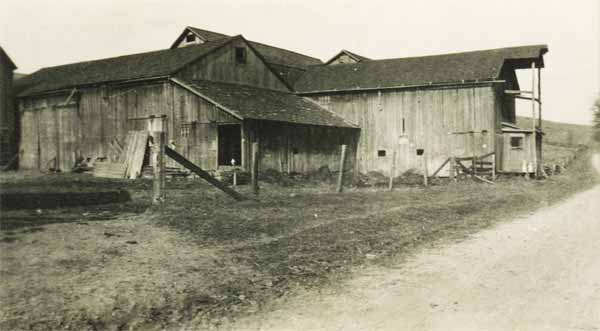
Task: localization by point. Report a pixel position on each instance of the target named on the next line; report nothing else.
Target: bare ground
(539, 272)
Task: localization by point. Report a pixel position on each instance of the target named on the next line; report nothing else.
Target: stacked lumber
(129, 159)
(109, 169)
(148, 172)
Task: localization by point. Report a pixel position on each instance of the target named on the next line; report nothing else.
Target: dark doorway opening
(230, 144)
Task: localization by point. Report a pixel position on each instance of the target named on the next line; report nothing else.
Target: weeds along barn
(221, 93)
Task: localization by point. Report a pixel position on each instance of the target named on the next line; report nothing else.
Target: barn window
(516, 142)
(190, 38)
(381, 153)
(230, 144)
(240, 55)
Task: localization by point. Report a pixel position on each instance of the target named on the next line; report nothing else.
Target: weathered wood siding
(342, 59)
(516, 159)
(429, 115)
(221, 66)
(293, 148)
(195, 126)
(8, 122)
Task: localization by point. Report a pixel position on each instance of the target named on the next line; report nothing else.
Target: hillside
(562, 134)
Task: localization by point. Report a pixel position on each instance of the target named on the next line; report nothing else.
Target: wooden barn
(447, 106)
(8, 119)
(220, 93)
(218, 96)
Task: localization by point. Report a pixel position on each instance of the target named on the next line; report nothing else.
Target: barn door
(230, 144)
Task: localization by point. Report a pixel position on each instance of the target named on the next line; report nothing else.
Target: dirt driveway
(540, 272)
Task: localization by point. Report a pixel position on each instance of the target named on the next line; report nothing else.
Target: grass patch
(304, 237)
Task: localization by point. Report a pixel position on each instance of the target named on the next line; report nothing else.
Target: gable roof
(271, 54)
(5, 57)
(356, 57)
(414, 71)
(123, 68)
(246, 102)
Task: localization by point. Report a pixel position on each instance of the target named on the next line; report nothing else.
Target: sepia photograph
(261, 165)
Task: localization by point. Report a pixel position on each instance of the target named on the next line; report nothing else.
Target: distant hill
(562, 134)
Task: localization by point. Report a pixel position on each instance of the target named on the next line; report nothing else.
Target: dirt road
(540, 272)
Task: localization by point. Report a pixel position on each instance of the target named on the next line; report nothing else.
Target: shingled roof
(246, 102)
(356, 57)
(129, 67)
(271, 54)
(7, 58)
(390, 73)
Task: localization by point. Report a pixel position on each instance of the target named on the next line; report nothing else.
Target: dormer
(194, 36)
(345, 57)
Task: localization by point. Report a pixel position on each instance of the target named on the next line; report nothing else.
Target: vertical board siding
(221, 66)
(316, 146)
(429, 116)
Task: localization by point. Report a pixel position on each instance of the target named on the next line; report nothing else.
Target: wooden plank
(254, 168)
(340, 181)
(141, 143)
(392, 171)
(440, 167)
(109, 170)
(202, 174)
(158, 167)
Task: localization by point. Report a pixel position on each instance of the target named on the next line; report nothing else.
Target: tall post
(425, 174)
(340, 181)
(533, 130)
(254, 168)
(156, 126)
(539, 148)
(392, 171)
(474, 160)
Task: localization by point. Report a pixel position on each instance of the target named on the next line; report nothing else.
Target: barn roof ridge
(219, 35)
(145, 65)
(353, 55)
(419, 70)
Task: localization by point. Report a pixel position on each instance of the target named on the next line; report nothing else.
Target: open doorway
(230, 144)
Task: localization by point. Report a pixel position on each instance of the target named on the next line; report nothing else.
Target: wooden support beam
(340, 181)
(254, 169)
(441, 167)
(518, 92)
(392, 171)
(425, 176)
(202, 174)
(526, 98)
(494, 167)
(158, 167)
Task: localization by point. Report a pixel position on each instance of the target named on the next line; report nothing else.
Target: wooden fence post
(392, 170)
(493, 167)
(254, 168)
(340, 181)
(158, 166)
(425, 175)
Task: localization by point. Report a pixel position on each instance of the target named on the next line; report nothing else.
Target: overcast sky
(38, 33)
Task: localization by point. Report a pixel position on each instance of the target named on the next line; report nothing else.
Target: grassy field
(203, 258)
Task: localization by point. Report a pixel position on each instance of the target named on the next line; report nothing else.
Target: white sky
(38, 33)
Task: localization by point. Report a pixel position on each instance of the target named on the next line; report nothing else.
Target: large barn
(220, 93)
(8, 119)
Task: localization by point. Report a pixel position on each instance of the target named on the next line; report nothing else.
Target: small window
(240, 55)
(295, 151)
(190, 38)
(381, 153)
(516, 142)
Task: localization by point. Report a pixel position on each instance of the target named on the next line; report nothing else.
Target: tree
(596, 126)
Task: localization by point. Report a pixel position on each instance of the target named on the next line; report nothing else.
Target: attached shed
(448, 105)
(8, 118)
